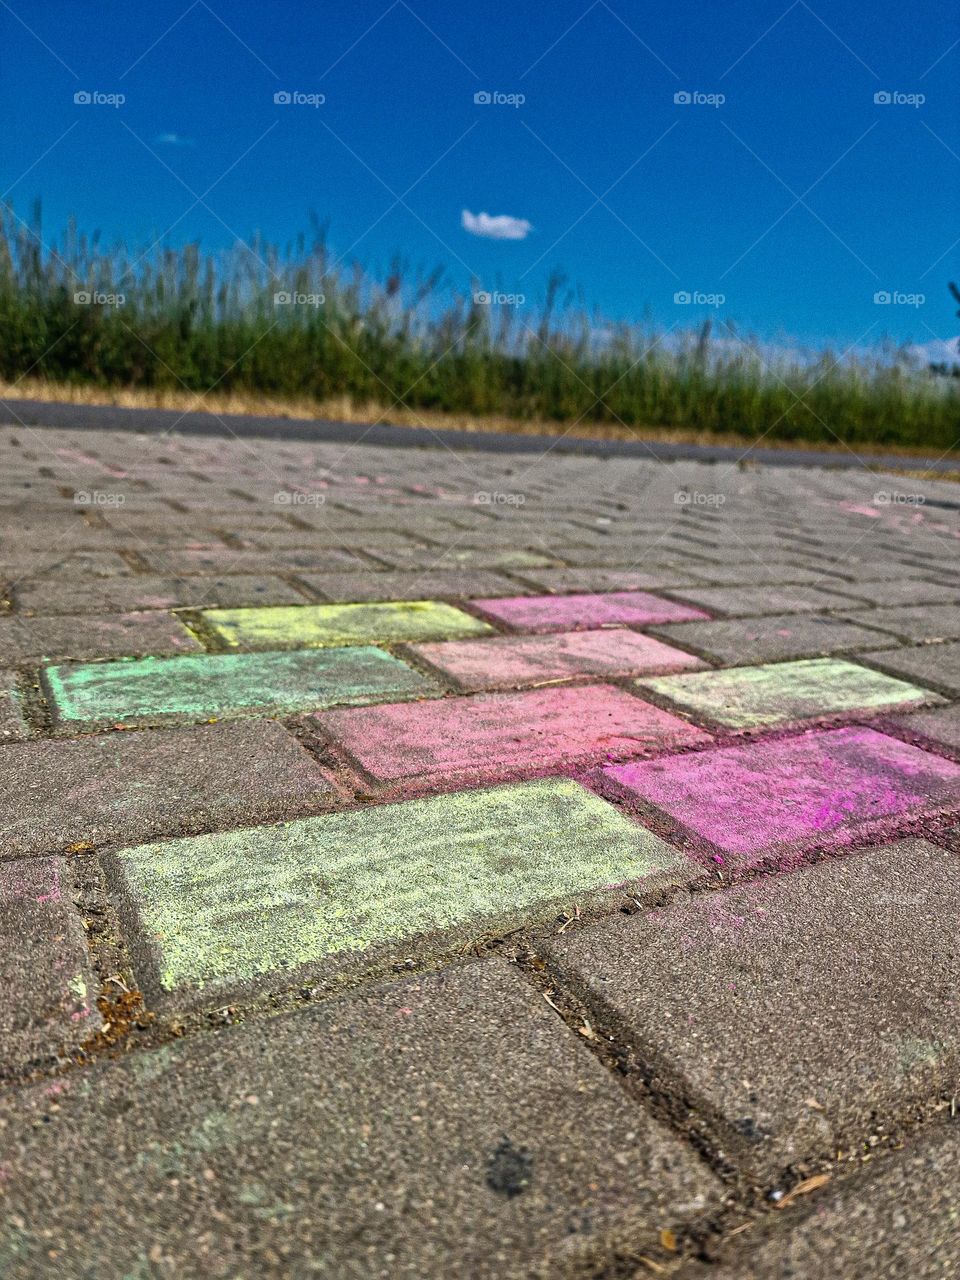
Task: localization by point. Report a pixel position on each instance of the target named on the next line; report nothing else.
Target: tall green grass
(197, 322)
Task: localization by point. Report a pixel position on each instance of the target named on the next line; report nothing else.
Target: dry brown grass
(346, 410)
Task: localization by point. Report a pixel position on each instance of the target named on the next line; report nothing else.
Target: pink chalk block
(751, 799)
(516, 660)
(564, 613)
(484, 736)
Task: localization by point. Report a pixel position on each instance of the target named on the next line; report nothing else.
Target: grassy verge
(263, 329)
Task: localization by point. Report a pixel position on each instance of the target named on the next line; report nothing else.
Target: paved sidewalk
(432, 862)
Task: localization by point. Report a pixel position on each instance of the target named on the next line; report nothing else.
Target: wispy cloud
(502, 227)
(172, 140)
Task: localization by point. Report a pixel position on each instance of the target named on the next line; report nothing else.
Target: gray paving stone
(894, 591)
(147, 591)
(446, 1126)
(55, 794)
(938, 728)
(227, 560)
(772, 638)
(30, 640)
(936, 665)
(558, 581)
(12, 723)
(916, 623)
(836, 984)
(48, 986)
(755, 601)
(897, 1219)
(440, 584)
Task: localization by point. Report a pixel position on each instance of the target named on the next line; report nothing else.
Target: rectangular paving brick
(582, 580)
(434, 1128)
(784, 692)
(12, 723)
(226, 684)
(898, 1217)
(564, 613)
(223, 910)
(30, 640)
(396, 584)
(797, 1015)
(128, 786)
(755, 601)
(893, 591)
(502, 661)
(770, 639)
(319, 625)
(941, 728)
(936, 665)
(756, 800)
(918, 623)
(483, 736)
(228, 560)
(48, 985)
(148, 591)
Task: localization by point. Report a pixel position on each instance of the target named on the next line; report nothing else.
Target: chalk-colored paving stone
(565, 613)
(797, 1015)
(770, 639)
(48, 987)
(26, 640)
(320, 625)
(755, 601)
(896, 1218)
(12, 723)
(227, 909)
(783, 692)
(226, 684)
(482, 736)
(937, 665)
(755, 800)
(441, 1127)
(516, 660)
(58, 794)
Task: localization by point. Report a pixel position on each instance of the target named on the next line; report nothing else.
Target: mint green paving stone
(228, 908)
(204, 686)
(314, 626)
(780, 692)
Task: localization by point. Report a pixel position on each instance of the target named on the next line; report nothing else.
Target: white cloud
(172, 140)
(502, 227)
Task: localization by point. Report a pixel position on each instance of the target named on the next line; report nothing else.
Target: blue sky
(797, 198)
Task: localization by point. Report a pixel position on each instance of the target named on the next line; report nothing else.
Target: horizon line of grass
(194, 322)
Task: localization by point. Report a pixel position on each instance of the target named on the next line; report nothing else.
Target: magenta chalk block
(749, 800)
(485, 736)
(567, 613)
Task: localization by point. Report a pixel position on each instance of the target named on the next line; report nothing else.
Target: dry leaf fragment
(803, 1188)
